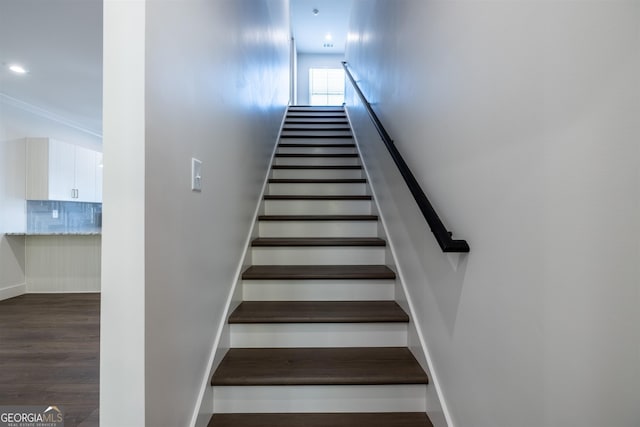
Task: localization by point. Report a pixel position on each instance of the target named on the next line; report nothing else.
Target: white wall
(520, 120)
(312, 60)
(211, 83)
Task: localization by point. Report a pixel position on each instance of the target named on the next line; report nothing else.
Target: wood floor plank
(49, 353)
(386, 419)
(319, 366)
(318, 312)
(293, 272)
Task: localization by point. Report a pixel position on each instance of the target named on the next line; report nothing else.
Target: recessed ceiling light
(328, 37)
(18, 69)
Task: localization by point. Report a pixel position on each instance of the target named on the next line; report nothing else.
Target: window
(326, 86)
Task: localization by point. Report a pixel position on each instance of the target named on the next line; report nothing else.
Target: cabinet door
(61, 170)
(85, 177)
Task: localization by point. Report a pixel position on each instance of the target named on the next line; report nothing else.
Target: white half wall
(307, 61)
(520, 121)
(212, 83)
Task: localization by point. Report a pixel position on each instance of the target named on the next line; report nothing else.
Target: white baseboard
(12, 291)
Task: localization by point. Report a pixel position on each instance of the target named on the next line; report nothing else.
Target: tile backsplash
(47, 216)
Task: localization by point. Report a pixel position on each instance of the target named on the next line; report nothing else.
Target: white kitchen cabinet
(57, 170)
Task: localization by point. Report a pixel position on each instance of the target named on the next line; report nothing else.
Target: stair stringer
(437, 409)
(203, 409)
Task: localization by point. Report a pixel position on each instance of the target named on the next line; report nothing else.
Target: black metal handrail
(443, 236)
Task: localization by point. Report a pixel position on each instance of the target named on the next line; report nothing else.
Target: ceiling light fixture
(328, 37)
(18, 69)
(315, 12)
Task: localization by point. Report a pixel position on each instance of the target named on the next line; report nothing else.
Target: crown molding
(41, 112)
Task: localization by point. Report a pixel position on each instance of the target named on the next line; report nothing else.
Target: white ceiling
(309, 30)
(60, 43)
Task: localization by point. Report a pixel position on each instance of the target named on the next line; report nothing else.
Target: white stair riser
(316, 173)
(320, 189)
(318, 290)
(317, 150)
(318, 255)
(316, 140)
(316, 161)
(319, 335)
(317, 207)
(356, 398)
(318, 229)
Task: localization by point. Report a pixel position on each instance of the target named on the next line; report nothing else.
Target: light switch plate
(196, 175)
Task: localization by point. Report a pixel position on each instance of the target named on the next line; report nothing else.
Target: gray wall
(520, 121)
(204, 79)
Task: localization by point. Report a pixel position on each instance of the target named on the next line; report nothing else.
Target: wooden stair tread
(316, 135)
(315, 108)
(317, 126)
(306, 197)
(316, 120)
(314, 145)
(318, 312)
(317, 218)
(319, 366)
(339, 114)
(383, 419)
(337, 167)
(318, 272)
(317, 181)
(318, 241)
(314, 155)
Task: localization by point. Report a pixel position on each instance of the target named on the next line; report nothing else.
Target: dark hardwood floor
(49, 354)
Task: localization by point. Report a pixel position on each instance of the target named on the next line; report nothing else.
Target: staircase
(318, 339)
